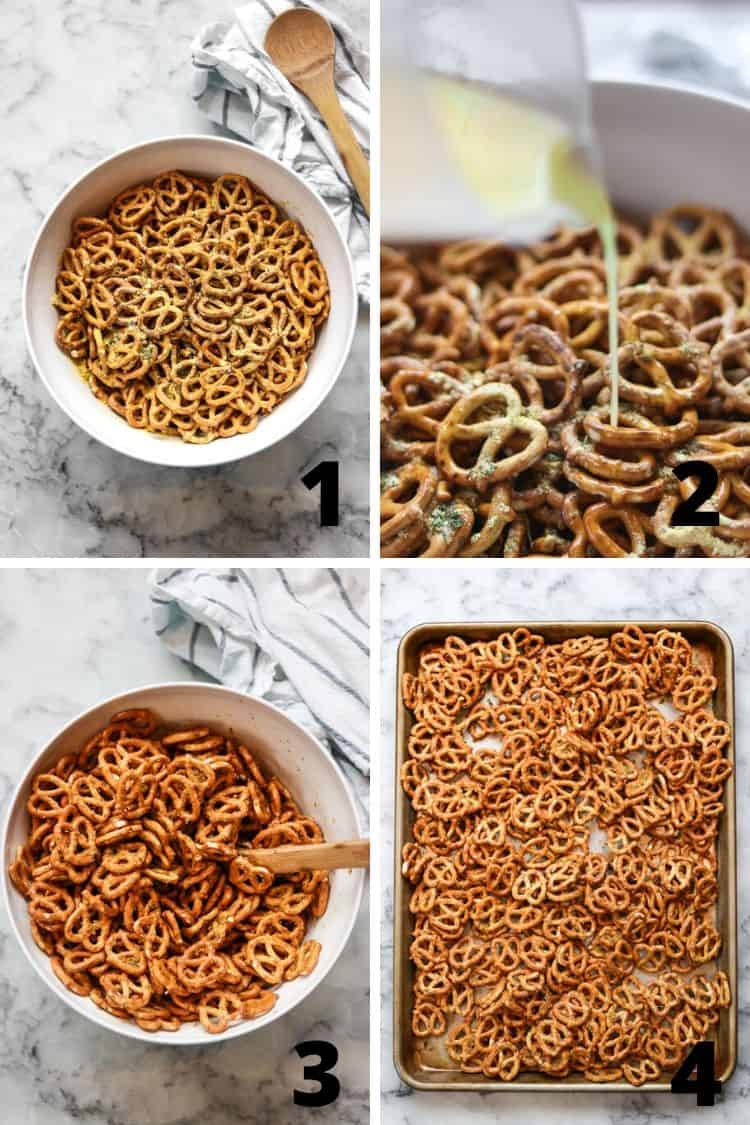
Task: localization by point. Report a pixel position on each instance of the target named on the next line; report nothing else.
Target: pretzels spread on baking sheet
(192, 308)
(496, 437)
(137, 887)
(536, 948)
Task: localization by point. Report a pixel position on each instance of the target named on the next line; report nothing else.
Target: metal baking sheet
(411, 1066)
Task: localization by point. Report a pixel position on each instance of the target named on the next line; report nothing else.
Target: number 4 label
(705, 1085)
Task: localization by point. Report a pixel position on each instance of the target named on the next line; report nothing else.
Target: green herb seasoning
(388, 480)
(444, 520)
(691, 349)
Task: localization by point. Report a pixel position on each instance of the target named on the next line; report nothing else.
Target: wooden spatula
(310, 857)
(302, 45)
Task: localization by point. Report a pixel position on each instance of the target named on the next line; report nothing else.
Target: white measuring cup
(486, 124)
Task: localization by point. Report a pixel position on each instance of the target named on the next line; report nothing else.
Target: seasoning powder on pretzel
(138, 887)
(535, 948)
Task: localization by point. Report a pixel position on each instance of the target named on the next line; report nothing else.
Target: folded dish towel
(298, 638)
(238, 86)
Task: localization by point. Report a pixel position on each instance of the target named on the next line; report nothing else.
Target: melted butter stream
(521, 161)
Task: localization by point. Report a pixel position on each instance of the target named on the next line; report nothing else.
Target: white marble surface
(71, 638)
(81, 79)
(411, 596)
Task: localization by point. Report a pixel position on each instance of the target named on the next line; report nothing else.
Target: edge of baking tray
(421, 632)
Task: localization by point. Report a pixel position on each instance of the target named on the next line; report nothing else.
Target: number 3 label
(329, 1086)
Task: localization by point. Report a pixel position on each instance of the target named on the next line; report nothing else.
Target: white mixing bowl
(664, 145)
(210, 157)
(283, 748)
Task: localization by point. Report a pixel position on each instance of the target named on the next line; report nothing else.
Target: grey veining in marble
(81, 79)
(643, 593)
(69, 639)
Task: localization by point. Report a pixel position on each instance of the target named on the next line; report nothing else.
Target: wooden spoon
(302, 45)
(310, 857)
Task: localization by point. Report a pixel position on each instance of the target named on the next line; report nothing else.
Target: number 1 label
(326, 474)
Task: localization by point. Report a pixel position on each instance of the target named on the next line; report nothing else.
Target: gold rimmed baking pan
(426, 1068)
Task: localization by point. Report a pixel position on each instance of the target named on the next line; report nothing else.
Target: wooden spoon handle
(311, 857)
(322, 93)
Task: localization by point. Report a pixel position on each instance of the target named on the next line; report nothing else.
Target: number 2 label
(687, 513)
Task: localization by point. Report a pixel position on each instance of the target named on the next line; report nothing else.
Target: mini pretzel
(449, 527)
(492, 434)
(589, 339)
(407, 494)
(501, 322)
(137, 885)
(409, 388)
(638, 431)
(705, 540)
(694, 232)
(732, 377)
(634, 526)
(656, 298)
(477, 258)
(539, 354)
(445, 327)
(620, 480)
(564, 279)
(713, 311)
(679, 372)
(492, 518)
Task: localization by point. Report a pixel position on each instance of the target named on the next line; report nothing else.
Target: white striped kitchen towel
(238, 86)
(299, 638)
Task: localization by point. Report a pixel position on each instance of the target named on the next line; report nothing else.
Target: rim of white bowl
(130, 1030)
(215, 452)
(675, 87)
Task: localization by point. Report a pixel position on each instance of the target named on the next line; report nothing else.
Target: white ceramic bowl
(664, 145)
(206, 156)
(283, 748)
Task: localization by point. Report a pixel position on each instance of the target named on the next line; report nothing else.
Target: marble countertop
(83, 78)
(410, 596)
(71, 638)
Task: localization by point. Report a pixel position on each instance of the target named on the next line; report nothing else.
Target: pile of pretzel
(138, 890)
(192, 308)
(497, 438)
(532, 949)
